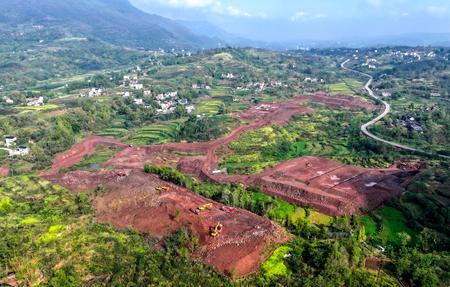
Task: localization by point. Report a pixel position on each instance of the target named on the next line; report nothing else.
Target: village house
(166, 108)
(22, 151)
(137, 86)
(10, 140)
(138, 101)
(228, 76)
(126, 95)
(95, 93)
(190, 109)
(36, 102)
(411, 123)
(8, 100)
(162, 97)
(435, 94)
(310, 80)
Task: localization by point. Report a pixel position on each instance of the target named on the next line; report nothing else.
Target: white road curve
(387, 110)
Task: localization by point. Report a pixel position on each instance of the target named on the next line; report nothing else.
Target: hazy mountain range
(113, 21)
(118, 22)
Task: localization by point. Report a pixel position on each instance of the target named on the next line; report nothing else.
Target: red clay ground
(80, 150)
(133, 201)
(331, 187)
(4, 171)
(328, 186)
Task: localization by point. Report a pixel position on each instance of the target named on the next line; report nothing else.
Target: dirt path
(79, 151)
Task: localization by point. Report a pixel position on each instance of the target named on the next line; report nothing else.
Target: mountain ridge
(116, 22)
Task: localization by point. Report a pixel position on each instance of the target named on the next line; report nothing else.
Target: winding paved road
(387, 110)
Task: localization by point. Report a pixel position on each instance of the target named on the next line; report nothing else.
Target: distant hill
(208, 29)
(113, 21)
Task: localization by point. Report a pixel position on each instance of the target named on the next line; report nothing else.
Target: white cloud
(233, 11)
(207, 5)
(298, 16)
(375, 2)
(189, 3)
(437, 10)
(302, 16)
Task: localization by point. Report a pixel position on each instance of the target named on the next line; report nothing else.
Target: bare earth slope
(133, 201)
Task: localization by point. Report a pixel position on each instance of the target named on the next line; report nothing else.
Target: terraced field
(113, 132)
(156, 133)
(219, 91)
(209, 107)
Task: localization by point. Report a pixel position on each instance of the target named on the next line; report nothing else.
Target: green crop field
(392, 222)
(219, 91)
(113, 132)
(369, 224)
(156, 133)
(46, 107)
(211, 107)
(348, 87)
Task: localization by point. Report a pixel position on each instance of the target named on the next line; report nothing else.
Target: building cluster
(313, 80)
(261, 86)
(411, 124)
(8, 100)
(370, 63)
(168, 103)
(35, 102)
(132, 81)
(92, 93)
(13, 149)
(201, 87)
(228, 76)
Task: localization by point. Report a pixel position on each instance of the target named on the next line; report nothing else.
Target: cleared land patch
(245, 242)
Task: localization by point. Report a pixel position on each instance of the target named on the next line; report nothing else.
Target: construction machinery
(216, 230)
(228, 209)
(121, 173)
(202, 208)
(162, 188)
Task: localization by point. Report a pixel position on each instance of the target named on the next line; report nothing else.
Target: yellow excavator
(162, 188)
(202, 208)
(216, 230)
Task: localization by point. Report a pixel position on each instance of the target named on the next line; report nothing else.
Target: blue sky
(291, 20)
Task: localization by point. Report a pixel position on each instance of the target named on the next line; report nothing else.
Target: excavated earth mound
(331, 187)
(130, 199)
